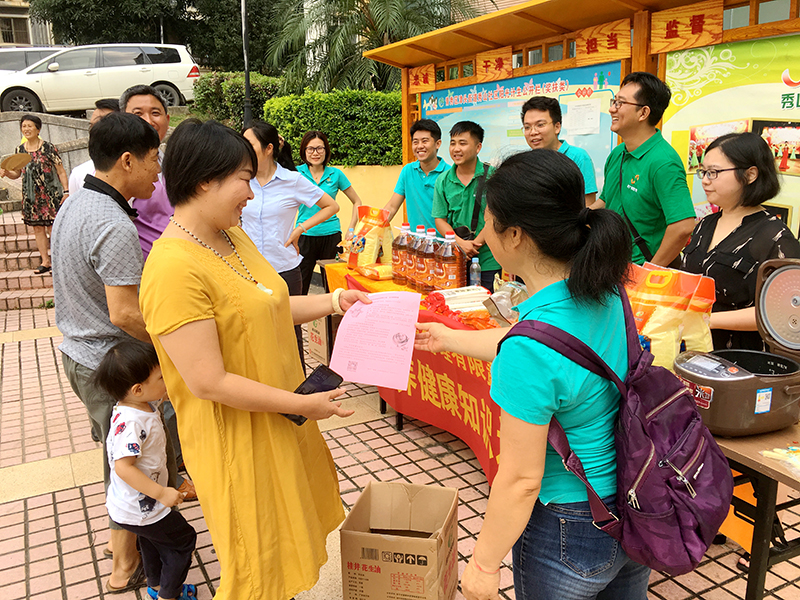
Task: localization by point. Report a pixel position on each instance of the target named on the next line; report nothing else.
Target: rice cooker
(744, 392)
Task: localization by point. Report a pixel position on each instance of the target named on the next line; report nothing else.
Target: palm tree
(320, 43)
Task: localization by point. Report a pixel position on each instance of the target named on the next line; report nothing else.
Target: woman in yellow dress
(222, 323)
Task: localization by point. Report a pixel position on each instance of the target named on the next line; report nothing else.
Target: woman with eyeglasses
(279, 191)
(320, 242)
(738, 175)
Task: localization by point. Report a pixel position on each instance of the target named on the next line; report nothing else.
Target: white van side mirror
(52, 67)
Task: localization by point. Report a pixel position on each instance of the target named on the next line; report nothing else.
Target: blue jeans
(561, 555)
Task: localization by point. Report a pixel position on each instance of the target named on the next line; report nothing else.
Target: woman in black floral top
(738, 175)
(44, 185)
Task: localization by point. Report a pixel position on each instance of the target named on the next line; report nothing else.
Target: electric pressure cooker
(744, 392)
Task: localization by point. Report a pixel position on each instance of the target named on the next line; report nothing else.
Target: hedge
(221, 95)
(363, 127)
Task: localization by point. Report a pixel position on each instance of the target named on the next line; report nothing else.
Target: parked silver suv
(74, 78)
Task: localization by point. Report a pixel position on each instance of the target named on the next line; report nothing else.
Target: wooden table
(764, 474)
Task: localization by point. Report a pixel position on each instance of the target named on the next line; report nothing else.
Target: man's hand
(470, 247)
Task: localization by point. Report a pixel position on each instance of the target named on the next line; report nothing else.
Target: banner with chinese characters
(752, 85)
(686, 27)
(422, 79)
(451, 391)
(493, 65)
(602, 43)
(496, 107)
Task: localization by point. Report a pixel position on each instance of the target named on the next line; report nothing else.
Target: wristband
(301, 226)
(477, 566)
(337, 308)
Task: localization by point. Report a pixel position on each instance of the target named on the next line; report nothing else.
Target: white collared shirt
(269, 217)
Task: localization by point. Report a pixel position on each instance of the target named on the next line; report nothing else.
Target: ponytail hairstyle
(266, 134)
(541, 192)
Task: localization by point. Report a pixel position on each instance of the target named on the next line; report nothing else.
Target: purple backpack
(674, 485)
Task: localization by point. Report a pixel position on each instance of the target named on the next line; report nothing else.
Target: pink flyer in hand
(375, 341)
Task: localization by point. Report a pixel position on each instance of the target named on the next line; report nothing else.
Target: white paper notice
(375, 341)
(583, 117)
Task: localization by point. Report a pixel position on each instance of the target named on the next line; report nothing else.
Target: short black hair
(117, 133)
(111, 104)
(429, 126)
(309, 137)
(653, 93)
(141, 90)
(746, 150)
(33, 119)
(470, 127)
(126, 364)
(203, 151)
(545, 104)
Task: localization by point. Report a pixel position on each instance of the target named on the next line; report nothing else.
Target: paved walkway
(53, 524)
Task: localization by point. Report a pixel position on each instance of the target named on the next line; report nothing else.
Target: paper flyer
(374, 342)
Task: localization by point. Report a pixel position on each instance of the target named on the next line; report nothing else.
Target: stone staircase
(20, 287)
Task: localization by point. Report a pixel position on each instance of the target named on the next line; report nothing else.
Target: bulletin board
(586, 91)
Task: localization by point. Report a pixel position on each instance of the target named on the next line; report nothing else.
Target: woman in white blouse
(279, 190)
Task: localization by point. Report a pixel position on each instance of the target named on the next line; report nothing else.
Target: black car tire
(21, 100)
(171, 96)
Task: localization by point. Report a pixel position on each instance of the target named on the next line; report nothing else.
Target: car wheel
(170, 95)
(21, 100)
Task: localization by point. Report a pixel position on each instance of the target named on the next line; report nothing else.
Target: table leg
(398, 422)
(383, 406)
(766, 493)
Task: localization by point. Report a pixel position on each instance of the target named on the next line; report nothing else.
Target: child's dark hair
(126, 364)
(541, 192)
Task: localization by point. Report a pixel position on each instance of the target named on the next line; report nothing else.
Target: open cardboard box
(400, 542)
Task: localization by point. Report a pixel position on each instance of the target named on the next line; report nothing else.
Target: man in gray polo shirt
(97, 265)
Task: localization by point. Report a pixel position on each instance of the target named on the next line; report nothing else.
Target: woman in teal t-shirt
(572, 260)
(321, 242)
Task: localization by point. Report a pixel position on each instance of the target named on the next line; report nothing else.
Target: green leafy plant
(363, 128)
(220, 95)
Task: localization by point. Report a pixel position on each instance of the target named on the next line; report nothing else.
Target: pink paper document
(375, 341)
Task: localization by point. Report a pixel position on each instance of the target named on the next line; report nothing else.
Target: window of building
(555, 52)
(452, 72)
(516, 60)
(467, 69)
(535, 56)
(14, 31)
(773, 10)
(572, 48)
(439, 75)
(738, 16)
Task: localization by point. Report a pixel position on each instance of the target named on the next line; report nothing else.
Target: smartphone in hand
(322, 379)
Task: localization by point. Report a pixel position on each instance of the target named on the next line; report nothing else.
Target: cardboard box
(400, 543)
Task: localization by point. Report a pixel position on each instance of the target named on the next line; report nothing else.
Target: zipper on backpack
(690, 465)
(667, 402)
(682, 478)
(633, 501)
(677, 445)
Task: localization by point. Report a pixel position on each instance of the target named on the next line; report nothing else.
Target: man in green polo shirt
(645, 181)
(454, 196)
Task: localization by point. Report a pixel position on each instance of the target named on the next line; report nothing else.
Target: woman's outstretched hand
(349, 297)
(432, 337)
(323, 405)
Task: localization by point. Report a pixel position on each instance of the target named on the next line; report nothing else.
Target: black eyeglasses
(618, 103)
(712, 173)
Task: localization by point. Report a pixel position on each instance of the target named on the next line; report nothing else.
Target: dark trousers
(314, 248)
(166, 547)
(294, 281)
(487, 279)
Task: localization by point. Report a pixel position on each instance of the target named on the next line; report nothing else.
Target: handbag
(469, 233)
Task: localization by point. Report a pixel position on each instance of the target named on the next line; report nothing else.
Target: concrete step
(19, 261)
(24, 280)
(10, 205)
(16, 299)
(11, 224)
(17, 243)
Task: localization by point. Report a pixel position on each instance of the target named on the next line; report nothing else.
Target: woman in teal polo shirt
(571, 258)
(321, 242)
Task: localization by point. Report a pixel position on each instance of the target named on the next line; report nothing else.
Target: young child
(137, 497)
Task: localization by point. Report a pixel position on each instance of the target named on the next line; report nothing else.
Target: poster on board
(586, 91)
(756, 81)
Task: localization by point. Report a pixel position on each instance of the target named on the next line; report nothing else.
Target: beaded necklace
(249, 277)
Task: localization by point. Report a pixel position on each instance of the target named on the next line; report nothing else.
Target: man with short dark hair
(97, 268)
(103, 107)
(541, 124)
(456, 198)
(645, 180)
(417, 179)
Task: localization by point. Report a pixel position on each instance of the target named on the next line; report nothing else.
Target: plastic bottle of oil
(449, 264)
(399, 250)
(411, 257)
(426, 263)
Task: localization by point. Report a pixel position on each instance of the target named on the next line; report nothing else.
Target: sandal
(743, 564)
(41, 270)
(135, 581)
(188, 592)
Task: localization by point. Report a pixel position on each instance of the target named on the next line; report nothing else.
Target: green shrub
(364, 128)
(221, 95)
